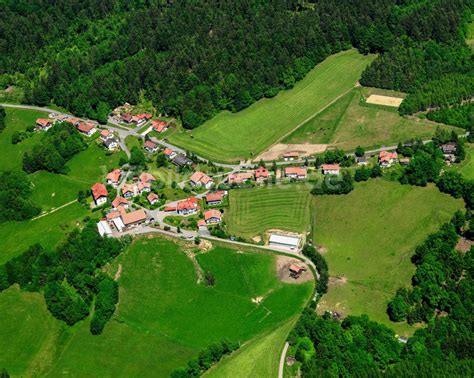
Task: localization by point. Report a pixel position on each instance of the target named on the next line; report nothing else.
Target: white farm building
(284, 242)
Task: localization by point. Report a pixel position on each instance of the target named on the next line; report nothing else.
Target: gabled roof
(150, 144)
(43, 122)
(118, 201)
(105, 133)
(152, 197)
(126, 117)
(240, 177)
(200, 177)
(330, 167)
(188, 204)
(85, 127)
(134, 217)
(114, 176)
(299, 171)
(213, 213)
(99, 190)
(73, 120)
(159, 125)
(387, 156)
(128, 188)
(142, 185)
(147, 177)
(168, 151)
(216, 196)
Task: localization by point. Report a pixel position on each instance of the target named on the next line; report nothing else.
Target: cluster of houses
(86, 128)
(178, 159)
(109, 140)
(190, 206)
(449, 151)
(261, 174)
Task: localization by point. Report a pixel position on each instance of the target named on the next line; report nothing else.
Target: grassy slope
(17, 120)
(252, 211)
(466, 168)
(347, 124)
(231, 136)
(258, 358)
(370, 235)
(165, 318)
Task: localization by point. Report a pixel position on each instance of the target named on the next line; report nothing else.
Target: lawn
(370, 235)
(253, 211)
(17, 120)
(466, 168)
(132, 141)
(48, 231)
(165, 318)
(258, 358)
(233, 136)
(349, 123)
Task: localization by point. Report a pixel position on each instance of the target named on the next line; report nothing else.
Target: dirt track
(278, 150)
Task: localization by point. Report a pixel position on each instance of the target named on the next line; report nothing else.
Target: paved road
(282, 360)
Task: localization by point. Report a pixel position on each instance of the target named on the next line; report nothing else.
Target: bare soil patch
(278, 150)
(205, 245)
(118, 274)
(321, 249)
(257, 239)
(464, 245)
(384, 100)
(337, 281)
(282, 264)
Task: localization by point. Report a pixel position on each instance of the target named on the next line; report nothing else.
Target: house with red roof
(147, 177)
(150, 146)
(129, 190)
(261, 174)
(113, 178)
(105, 134)
(43, 124)
(86, 128)
(215, 198)
(152, 198)
(126, 117)
(159, 126)
(99, 193)
(330, 169)
(169, 153)
(120, 202)
(239, 177)
(188, 206)
(387, 158)
(73, 121)
(212, 216)
(296, 173)
(134, 218)
(143, 187)
(200, 179)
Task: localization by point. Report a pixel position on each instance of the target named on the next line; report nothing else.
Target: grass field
(258, 358)
(164, 317)
(348, 123)
(370, 235)
(253, 211)
(254, 129)
(466, 168)
(17, 120)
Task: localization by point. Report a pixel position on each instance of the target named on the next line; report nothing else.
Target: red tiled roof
(168, 151)
(151, 145)
(199, 177)
(128, 188)
(240, 177)
(147, 177)
(387, 156)
(216, 196)
(330, 167)
(43, 122)
(295, 268)
(119, 201)
(73, 120)
(99, 190)
(85, 127)
(213, 213)
(159, 125)
(201, 222)
(134, 217)
(114, 176)
(299, 171)
(127, 117)
(142, 185)
(261, 172)
(113, 215)
(152, 197)
(188, 204)
(144, 116)
(105, 133)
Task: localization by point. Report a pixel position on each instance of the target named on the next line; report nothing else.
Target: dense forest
(194, 59)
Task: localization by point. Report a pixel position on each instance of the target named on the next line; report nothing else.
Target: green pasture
(253, 211)
(349, 123)
(368, 238)
(17, 120)
(165, 317)
(233, 136)
(466, 167)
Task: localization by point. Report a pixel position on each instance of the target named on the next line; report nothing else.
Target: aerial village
(133, 202)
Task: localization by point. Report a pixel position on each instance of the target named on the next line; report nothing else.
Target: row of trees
(58, 145)
(207, 357)
(70, 277)
(15, 191)
(460, 116)
(3, 121)
(334, 185)
(321, 266)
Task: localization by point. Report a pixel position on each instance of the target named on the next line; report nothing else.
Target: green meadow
(368, 238)
(233, 136)
(164, 316)
(253, 211)
(466, 167)
(349, 123)
(17, 120)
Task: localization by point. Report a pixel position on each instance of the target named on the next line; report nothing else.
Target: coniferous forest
(194, 59)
